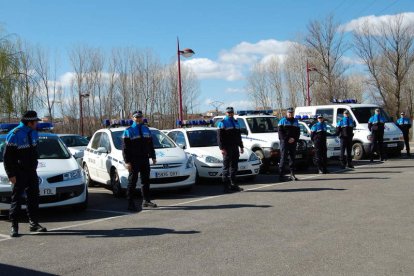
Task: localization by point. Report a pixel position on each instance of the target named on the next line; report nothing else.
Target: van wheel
(358, 151)
(116, 184)
(265, 164)
(88, 179)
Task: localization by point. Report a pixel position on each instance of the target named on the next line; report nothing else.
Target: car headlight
(275, 146)
(190, 162)
(211, 159)
(253, 157)
(4, 179)
(72, 175)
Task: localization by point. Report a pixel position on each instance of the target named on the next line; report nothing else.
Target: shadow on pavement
(120, 232)
(11, 270)
(212, 207)
(297, 190)
(345, 178)
(376, 172)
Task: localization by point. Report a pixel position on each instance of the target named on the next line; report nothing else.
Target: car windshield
(363, 114)
(262, 124)
(202, 138)
(74, 140)
(48, 148)
(160, 140)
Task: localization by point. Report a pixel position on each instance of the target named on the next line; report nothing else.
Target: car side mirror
(102, 150)
(78, 155)
(244, 131)
(181, 146)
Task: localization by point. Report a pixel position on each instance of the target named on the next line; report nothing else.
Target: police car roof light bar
(344, 101)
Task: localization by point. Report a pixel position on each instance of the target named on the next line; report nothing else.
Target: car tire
(116, 184)
(88, 180)
(265, 163)
(84, 205)
(358, 151)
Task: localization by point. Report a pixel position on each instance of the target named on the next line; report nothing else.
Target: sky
(228, 37)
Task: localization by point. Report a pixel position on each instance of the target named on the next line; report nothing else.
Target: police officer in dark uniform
(137, 149)
(404, 124)
(289, 133)
(318, 136)
(20, 164)
(229, 141)
(345, 130)
(376, 124)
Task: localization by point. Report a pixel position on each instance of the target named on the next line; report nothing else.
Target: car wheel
(82, 206)
(88, 180)
(358, 151)
(116, 184)
(265, 163)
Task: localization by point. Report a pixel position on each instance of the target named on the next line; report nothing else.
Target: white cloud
(234, 91)
(352, 60)
(242, 104)
(374, 22)
(233, 63)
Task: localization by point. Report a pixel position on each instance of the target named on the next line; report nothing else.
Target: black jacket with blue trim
(20, 153)
(228, 133)
(137, 143)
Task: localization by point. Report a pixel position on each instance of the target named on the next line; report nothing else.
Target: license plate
(298, 156)
(48, 191)
(165, 174)
(392, 145)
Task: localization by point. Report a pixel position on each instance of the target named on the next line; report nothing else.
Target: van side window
(327, 113)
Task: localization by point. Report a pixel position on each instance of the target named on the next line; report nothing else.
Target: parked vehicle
(259, 134)
(201, 142)
(360, 113)
(103, 162)
(61, 179)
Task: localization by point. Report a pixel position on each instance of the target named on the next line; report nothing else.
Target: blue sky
(227, 36)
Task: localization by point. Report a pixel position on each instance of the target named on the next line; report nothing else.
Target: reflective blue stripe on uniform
(376, 119)
(319, 127)
(346, 121)
(403, 121)
(133, 132)
(18, 137)
(285, 122)
(228, 123)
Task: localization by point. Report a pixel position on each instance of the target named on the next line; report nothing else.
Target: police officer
(345, 130)
(20, 163)
(318, 136)
(137, 149)
(229, 141)
(376, 124)
(404, 124)
(289, 133)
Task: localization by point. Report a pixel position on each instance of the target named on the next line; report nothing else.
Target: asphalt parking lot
(348, 222)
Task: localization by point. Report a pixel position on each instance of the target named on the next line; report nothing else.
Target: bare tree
(388, 53)
(326, 47)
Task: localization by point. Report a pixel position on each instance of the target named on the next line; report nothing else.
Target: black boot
(131, 206)
(350, 166)
(149, 204)
(36, 227)
(236, 188)
(293, 177)
(14, 230)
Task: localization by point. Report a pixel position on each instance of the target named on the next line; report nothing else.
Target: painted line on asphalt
(124, 214)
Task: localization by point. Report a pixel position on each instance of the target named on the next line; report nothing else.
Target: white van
(360, 113)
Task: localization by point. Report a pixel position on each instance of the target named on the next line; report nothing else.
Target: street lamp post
(309, 69)
(81, 96)
(186, 53)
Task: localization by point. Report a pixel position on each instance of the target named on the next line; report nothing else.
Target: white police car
(332, 140)
(201, 142)
(61, 180)
(76, 145)
(103, 162)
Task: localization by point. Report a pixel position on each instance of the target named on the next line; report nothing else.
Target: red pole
(180, 96)
(308, 85)
(80, 114)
